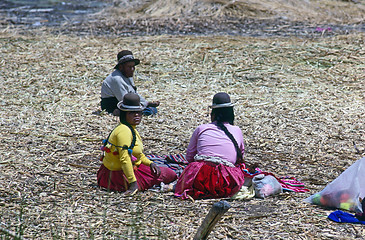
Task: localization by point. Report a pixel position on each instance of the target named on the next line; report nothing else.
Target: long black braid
(122, 119)
(222, 115)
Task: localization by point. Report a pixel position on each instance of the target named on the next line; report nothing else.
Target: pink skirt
(117, 181)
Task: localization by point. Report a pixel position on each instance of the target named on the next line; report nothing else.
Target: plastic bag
(266, 185)
(245, 193)
(344, 192)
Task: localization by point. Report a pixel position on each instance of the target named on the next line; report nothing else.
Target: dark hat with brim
(221, 100)
(126, 56)
(131, 103)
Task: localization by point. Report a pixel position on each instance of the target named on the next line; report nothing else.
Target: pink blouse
(209, 140)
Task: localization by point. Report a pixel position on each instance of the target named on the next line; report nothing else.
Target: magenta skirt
(202, 180)
(117, 181)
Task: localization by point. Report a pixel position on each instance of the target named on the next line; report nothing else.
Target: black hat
(131, 102)
(221, 100)
(126, 56)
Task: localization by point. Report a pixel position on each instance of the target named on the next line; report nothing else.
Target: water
(47, 12)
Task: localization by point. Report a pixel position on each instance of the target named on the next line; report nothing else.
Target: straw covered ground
(299, 103)
(238, 17)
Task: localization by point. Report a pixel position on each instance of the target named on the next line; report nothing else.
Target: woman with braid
(215, 155)
(125, 167)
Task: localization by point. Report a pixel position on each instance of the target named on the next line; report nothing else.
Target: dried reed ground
(300, 105)
(314, 11)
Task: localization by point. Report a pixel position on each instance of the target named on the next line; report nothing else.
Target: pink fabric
(287, 183)
(116, 180)
(146, 180)
(209, 140)
(185, 184)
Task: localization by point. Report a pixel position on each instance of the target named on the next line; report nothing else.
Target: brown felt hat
(131, 102)
(221, 100)
(126, 56)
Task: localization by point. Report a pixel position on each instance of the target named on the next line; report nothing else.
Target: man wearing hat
(120, 82)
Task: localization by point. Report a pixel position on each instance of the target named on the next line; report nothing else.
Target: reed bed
(315, 11)
(223, 17)
(299, 103)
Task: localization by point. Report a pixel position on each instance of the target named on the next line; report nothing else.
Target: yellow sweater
(118, 158)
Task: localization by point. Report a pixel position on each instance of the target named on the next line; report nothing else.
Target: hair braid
(238, 151)
(134, 138)
(122, 118)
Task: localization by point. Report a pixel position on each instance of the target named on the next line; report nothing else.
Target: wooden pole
(215, 213)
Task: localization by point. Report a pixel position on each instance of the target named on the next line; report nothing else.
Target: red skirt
(117, 181)
(202, 180)
(214, 186)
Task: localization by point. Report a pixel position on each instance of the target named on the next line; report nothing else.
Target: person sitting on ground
(215, 154)
(125, 167)
(120, 82)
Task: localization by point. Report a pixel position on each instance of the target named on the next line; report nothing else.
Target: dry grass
(223, 17)
(300, 104)
(315, 11)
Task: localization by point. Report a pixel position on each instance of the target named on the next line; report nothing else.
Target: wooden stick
(215, 213)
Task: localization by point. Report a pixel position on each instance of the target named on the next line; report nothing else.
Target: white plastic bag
(344, 191)
(245, 193)
(266, 185)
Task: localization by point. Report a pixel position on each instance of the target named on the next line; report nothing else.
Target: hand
(252, 168)
(154, 104)
(133, 188)
(156, 171)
